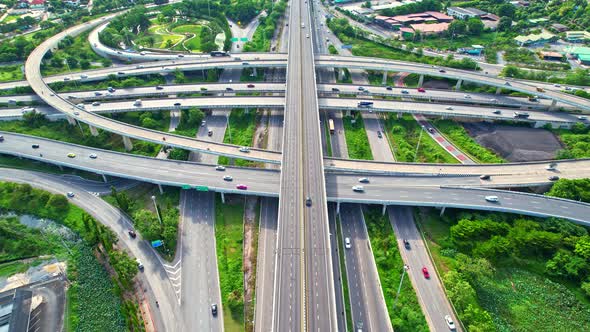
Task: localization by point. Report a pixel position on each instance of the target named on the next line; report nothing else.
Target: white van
(137, 102)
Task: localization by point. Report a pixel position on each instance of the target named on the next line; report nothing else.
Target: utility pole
(156, 206)
(400, 284)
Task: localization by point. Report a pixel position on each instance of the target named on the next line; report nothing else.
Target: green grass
(356, 138)
(10, 18)
(11, 73)
(8, 269)
(518, 299)
(407, 315)
(328, 137)
(240, 132)
(459, 136)
(112, 80)
(345, 292)
(229, 237)
(194, 44)
(405, 133)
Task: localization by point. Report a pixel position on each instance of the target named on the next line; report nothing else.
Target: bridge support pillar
(421, 81)
(340, 74)
(442, 211)
(348, 113)
(553, 103)
(71, 120)
(254, 73)
(384, 78)
(93, 131)
(458, 85)
(161, 189)
(384, 209)
(399, 115)
(337, 207)
(127, 143)
(104, 178)
(223, 198)
(498, 90)
(61, 168)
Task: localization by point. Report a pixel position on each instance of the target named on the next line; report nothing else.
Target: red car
(425, 273)
(421, 90)
(242, 187)
(250, 85)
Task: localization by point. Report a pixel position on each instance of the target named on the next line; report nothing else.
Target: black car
(407, 244)
(335, 89)
(132, 233)
(214, 309)
(389, 88)
(35, 146)
(442, 71)
(554, 178)
(379, 134)
(229, 89)
(159, 87)
(484, 177)
(176, 104)
(308, 201)
(210, 133)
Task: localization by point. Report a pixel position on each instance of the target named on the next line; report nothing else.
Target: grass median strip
(405, 135)
(407, 314)
(356, 138)
(347, 307)
(229, 237)
(240, 131)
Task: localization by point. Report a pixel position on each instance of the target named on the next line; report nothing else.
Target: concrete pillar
(442, 211)
(458, 85)
(161, 189)
(384, 209)
(421, 81)
(384, 78)
(348, 113)
(399, 115)
(104, 178)
(553, 103)
(93, 131)
(223, 198)
(61, 168)
(498, 90)
(254, 71)
(337, 207)
(127, 143)
(341, 74)
(71, 120)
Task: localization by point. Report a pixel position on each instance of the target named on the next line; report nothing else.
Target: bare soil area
(515, 143)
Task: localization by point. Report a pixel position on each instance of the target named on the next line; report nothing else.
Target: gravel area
(515, 143)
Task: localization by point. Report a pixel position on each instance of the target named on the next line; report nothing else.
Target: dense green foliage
(459, 136)
(262, 36)
(405, 134)
(407, 315)
(229, 239)
(19, 241)
(575, 77)
(414, 7)
(111, 81)
(480, 251)
(356, 138)
(72, 54)
(577, 190)
(576, 141)
(37, 125)
(138, 204)
(240, 131)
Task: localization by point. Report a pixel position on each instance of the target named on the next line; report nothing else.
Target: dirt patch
(515, 143)
(435, 84)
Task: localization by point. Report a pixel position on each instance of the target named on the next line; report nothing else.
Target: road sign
(234, 39)
(244, 39)
(186, 186)
(344, 47)
(157, 243)
(202, 188)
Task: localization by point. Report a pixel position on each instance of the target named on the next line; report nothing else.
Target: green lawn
(194, 43)
(11, 73)
(229, 237)
(405, 134)
(459, 136)
(8, 269)
(240, 131)
(356, 138)
(407, 315)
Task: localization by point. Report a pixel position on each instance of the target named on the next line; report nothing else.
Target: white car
(96, 103)
(139, 265)
(450, 322)
(358, 189)
(493, 199)
(93, 156)
(245, 149)
(70, 194)
(228, 178)
(347, 244)
(467, 96)
(220, 168)
(582, 117)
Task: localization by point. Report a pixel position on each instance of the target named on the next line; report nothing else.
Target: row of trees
(414, 7)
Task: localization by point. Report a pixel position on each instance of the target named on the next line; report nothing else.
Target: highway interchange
(304, 296)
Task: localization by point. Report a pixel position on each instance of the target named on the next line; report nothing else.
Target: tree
(507, 10)
(84, 64)
(505, 23)
(457, 27)
(475, 26)
(459, 290)
(586, 288)
(58, 204)
(583, 247)
(72, 62)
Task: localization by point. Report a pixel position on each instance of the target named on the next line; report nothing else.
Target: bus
(521, 115)
(219, 53)
(331, 126)
(367, 104)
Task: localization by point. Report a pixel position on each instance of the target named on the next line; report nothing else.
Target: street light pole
(156, 206)
(228, 128)
(400, 284)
